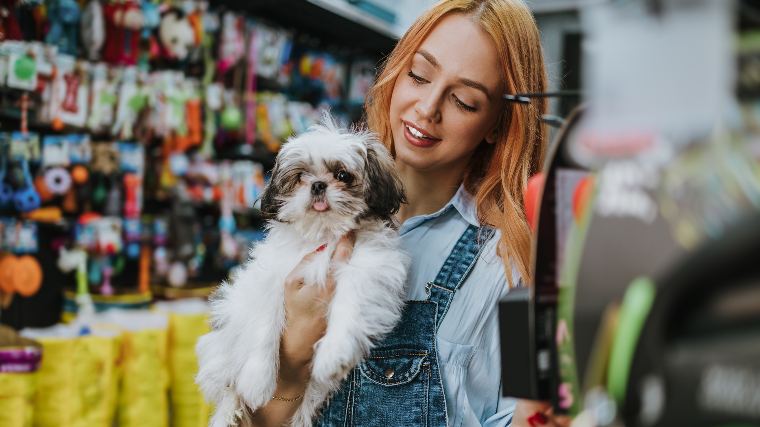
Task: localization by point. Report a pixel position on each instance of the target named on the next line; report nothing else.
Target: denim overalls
(399, 383)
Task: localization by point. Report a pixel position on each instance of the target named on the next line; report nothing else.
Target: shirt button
(389, 373)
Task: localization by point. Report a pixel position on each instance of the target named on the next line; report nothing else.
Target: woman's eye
(463, 106)
(417, 79)
(343, 176)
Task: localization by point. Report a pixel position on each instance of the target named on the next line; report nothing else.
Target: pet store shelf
(555, 6)
(334, 21)
(354, 14)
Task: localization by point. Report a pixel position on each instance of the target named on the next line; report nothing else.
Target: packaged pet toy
(124, 21)
(176, 35)
(93, 29)
(64, 25)
(325, 183)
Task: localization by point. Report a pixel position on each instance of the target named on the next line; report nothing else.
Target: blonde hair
(499, 172)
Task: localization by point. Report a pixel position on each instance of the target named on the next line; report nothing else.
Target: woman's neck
(426, 191)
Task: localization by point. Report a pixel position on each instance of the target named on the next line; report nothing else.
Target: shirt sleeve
(504, 410)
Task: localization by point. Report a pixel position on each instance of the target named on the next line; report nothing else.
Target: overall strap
(457, 267)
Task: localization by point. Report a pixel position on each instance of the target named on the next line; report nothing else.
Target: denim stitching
(440, 381)
(407, 377)
(426, 405)
(347, 418)
(392, 356)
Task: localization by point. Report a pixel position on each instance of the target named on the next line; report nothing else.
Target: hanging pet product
(26, 198)
(109, 246)
(124, 20)
(70, 92)
(232, 117)
(93, 29)
(24, 148)
(22, 66)
(6, 191)
(176, 35)
(76, 260)
(57, 180)
(132, 205)
(104, 89)
(232, 42)
(131, 101)
(19, 274)
(55, 151)
(250, 89)
(64, 18)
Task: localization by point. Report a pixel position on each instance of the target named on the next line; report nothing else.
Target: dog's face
(327, 179)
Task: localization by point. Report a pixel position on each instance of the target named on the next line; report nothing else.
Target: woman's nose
(429, 107)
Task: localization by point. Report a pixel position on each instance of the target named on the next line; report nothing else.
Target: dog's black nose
(318, 188)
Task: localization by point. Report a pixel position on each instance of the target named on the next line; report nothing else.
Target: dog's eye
(343, 176)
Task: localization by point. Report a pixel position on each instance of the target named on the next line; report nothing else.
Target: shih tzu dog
(325, 183)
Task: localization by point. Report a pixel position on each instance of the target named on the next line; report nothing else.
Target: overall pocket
(393, 388)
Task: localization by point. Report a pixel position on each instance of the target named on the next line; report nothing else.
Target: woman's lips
(418, 137)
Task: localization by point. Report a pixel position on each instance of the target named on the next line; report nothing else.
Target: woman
(464, 156)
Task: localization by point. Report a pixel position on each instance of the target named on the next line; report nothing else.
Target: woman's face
(448, 99)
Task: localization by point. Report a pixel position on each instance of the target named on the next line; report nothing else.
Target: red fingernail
(537, 419)
(321, 248)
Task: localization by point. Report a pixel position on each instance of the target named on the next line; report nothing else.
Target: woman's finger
(342, 254)
(294, 280)
(344, 248)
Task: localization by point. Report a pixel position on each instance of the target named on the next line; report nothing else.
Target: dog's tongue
(320, 206)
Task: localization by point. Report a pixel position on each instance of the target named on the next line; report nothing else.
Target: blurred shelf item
(197, 291)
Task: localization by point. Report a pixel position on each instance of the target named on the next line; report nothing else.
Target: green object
(637, 302)
(118, 265)
(82, 288)
(25, 68)
(108, 99)
(137, 102)
(232, 118)
(568, 284)
(99, 194)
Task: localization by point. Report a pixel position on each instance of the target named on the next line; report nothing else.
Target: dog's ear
(270, 198)
(384, 191)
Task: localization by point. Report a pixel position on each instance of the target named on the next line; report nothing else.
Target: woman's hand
(533, 413)
(305, 314)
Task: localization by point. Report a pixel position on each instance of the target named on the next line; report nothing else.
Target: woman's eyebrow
(430, 58)
(475, 85)
(466, 82)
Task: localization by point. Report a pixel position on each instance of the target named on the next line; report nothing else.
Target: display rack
(335, 21)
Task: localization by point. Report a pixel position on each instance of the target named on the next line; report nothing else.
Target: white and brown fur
(239, 357)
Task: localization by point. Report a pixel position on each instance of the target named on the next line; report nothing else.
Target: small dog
(325, 183)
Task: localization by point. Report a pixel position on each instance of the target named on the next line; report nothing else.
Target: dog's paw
(327, 368)
(228, 411)
(257, 381)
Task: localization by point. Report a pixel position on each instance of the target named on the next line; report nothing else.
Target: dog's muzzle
(318, 188)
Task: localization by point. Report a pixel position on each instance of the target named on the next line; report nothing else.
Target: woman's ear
(493, 136)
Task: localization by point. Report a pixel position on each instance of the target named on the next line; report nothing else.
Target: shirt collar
(462, 202)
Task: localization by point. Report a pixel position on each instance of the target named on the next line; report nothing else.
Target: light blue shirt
(468, 339)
